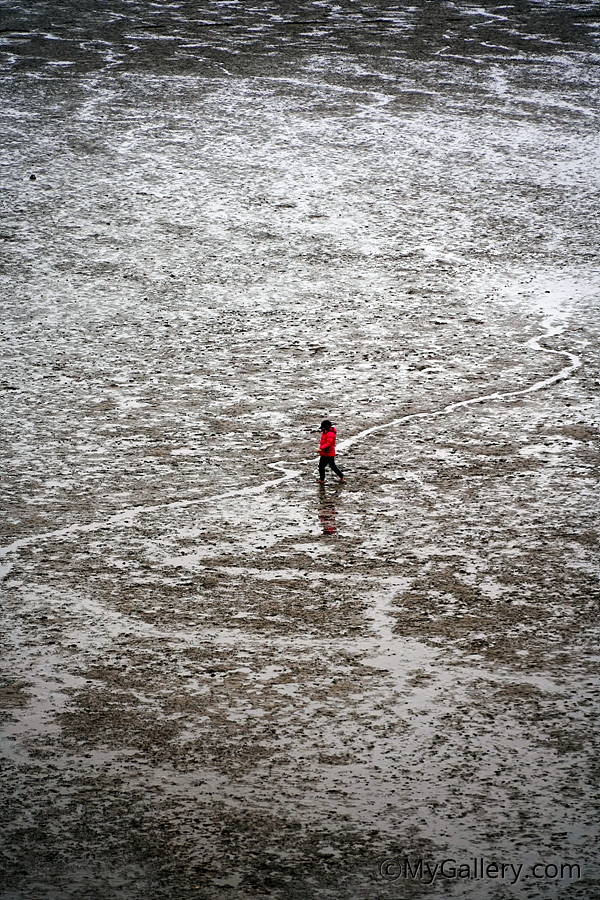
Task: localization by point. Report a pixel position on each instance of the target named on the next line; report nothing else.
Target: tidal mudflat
(222, 223)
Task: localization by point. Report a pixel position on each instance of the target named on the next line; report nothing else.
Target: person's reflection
(326, 510)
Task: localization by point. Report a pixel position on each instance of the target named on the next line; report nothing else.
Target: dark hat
(325, 425)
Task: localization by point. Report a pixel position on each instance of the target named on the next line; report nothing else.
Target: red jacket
(327, 445)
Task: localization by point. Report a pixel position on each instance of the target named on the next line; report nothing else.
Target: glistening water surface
(224, 222)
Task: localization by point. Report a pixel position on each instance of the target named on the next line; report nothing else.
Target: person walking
(327, 451)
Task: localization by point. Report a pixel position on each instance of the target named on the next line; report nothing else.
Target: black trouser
(328, 461)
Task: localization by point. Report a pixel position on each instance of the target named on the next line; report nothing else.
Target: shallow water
(223, 680)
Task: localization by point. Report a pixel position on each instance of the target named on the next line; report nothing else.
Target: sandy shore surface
(222, 224)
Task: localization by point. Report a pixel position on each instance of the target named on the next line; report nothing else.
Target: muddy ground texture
(224, 223)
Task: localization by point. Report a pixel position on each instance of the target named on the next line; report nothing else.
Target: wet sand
(222, 225)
